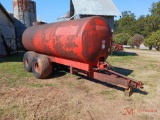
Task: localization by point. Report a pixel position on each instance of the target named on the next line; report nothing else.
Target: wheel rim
(36, 67)
(26, 62)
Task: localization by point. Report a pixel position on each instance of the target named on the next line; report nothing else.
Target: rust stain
(79, 40)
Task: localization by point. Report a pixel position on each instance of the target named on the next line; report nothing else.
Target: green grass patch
(106, 92)
(34, 85)
(109, 94)
(1, 112)
(12, 70)
(121, 57)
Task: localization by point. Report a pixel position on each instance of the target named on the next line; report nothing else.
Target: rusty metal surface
(25, 11)
(73, 64)
(111, 78)
(24, 14)
(117, 79)
(85, 40)
(131, 82)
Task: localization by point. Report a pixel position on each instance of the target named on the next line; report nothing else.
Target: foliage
(147, 25)
(144, 25)
(155, 10)
(153, 40)
(121, 38)
(137, 40)
(129, 42)
(126, 23)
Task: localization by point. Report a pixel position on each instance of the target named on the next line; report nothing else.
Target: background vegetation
(132, 31)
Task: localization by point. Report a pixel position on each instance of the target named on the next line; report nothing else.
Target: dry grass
(67, 97)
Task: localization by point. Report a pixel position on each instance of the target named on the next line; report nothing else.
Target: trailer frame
(100, 73)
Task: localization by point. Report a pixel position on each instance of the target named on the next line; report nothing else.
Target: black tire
(41, 67)
(27, 60)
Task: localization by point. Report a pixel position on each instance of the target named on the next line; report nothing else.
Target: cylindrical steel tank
(86, 40)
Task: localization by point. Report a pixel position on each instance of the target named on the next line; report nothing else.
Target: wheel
(27, 60)
(41, 66)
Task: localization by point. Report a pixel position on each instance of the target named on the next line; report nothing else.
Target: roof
(95, 7)
(6, 13)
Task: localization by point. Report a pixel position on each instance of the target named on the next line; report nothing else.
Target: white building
(87, 8)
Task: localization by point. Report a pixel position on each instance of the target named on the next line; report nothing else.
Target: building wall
(8, 31)
(109, 19)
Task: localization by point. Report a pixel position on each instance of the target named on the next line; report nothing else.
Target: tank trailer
(82, 44)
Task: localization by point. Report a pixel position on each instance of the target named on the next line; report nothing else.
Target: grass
(145, 68)
(12, 71)
(105, 92)
(10, 111)
(2, 112)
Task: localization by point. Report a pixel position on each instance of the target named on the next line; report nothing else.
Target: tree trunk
(150, 47)
(157, 48)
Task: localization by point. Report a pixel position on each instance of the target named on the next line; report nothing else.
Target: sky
(50, 10)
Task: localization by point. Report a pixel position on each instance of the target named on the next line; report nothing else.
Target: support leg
(71, 70)
(128, 92)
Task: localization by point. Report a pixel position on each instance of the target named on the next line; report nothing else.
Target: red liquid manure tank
(86, 40)
(83, 45)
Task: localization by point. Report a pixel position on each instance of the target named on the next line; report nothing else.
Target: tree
(126, 24)
(144, 25)
(121, 38)
(137, 40)
(130, 43)
(147, 25)
(153, 40)
(155, 10)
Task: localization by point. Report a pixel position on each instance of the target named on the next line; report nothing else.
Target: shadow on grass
(110, 85)
(58, 71)
(122, 71)
(65, 70)
(13, 58)
(140, 91)
(56, 74)
(122, 53)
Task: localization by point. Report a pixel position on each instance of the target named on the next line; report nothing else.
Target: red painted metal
(117, 47)
(102, 74)
(82, 44)
(71, 63)
(84, 40)
(117, 79)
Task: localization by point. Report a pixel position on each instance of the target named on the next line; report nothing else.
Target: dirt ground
(70, 97)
